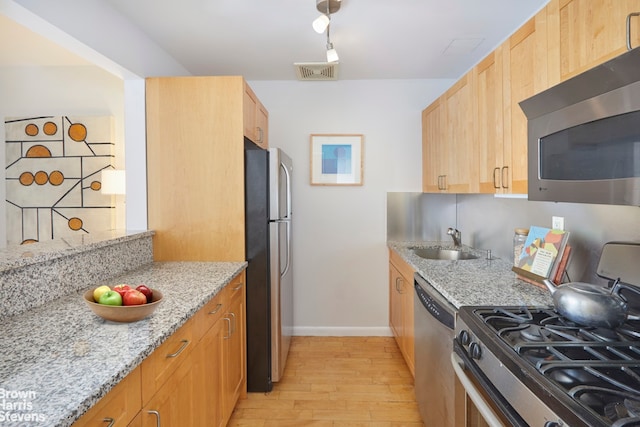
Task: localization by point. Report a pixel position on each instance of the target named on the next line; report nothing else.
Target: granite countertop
(59, 359)
(14, 256)
(473, 282)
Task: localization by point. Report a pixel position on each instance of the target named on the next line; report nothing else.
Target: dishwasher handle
(437, 309)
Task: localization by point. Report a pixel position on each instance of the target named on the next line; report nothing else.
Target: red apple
(133, 297)
(146, 291)
(121, 289)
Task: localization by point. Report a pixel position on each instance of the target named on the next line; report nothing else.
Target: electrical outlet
(557, 222)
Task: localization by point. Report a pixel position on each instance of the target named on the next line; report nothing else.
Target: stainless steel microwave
(584, 136)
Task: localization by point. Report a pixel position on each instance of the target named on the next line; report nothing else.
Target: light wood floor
(336, 381)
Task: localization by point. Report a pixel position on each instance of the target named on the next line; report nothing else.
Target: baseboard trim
(342, 331)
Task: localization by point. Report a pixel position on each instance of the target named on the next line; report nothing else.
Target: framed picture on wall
(336, 159)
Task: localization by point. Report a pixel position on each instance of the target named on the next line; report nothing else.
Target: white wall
(341, 258)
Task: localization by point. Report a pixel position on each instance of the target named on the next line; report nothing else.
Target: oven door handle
(481, 404)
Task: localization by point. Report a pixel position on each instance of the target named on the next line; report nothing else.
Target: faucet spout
(456, 236)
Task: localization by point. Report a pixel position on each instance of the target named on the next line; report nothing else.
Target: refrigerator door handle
(288, 265)
(288, 183)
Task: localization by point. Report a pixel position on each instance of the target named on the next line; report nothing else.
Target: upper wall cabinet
(489, 124)
(256, 119)
(585, 33)
(447, 141)
(524, 75)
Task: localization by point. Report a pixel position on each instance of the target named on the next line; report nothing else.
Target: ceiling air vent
(314, 71)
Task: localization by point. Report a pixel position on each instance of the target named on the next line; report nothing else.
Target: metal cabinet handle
(503, 178)
(184, 345)
(157, 414)
(444, 182)
(217, 309)
(495, 178)
(260, 133)
(111, 421)
(398, 285)
(237, 288)
(233, 327)
(629, 28)
(226, 337)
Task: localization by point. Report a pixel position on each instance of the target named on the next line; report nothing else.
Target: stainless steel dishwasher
(434, 320)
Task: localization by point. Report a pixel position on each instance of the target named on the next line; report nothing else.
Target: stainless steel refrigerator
(269, 273)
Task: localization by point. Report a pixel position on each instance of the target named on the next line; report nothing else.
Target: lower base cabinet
(194, 378)
(401, 306)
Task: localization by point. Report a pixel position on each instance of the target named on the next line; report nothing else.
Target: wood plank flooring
(336, 381)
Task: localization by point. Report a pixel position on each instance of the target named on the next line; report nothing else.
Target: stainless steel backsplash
(487, 222)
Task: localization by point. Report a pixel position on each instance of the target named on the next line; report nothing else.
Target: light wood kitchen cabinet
(256, 119)
(401, 295)
(195, 167)
(524, 75)
(118, 407)
(489, 124)
(432, 148)
(447, 141)
(586, 33)
(234, 356)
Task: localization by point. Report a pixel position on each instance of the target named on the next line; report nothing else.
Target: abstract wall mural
(53, 170)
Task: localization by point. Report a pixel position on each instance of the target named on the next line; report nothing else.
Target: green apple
(99, 291)
(110, 298)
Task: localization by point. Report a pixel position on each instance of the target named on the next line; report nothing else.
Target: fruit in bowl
(131, 307)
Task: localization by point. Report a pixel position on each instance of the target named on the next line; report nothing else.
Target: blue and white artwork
(336, 158)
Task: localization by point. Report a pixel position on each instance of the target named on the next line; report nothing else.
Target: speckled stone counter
(473, 282)
(32, 275)
(59, 359)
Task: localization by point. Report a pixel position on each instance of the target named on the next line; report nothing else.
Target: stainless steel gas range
(537, 368)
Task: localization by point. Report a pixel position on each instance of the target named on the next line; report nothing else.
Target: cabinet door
(234, 349)
(524, 75)
(175, 402)
(396, 318)
(585, 33)
(262, 125)
(462, 170)
(119, 406)
(434, 157)
(489, 124)
(209, 385)
(256, 119)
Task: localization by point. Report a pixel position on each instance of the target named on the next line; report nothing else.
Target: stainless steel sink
(443, 254)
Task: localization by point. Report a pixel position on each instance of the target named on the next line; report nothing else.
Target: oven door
(476, 410)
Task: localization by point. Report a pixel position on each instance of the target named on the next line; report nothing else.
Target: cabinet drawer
(212, 311)
(159, 366)
(121, 404)
(235, 289)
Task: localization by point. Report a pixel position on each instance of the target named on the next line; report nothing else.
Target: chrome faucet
(456, 236)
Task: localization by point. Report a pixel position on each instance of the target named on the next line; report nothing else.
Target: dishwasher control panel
(442, 314)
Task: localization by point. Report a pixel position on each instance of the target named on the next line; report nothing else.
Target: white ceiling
(260, 39)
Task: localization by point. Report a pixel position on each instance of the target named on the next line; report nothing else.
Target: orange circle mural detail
(50, 128)
(56, 178)
(96, 185)
(41, 177)
(38, 151)
(31, 129)
(78, 132)
(75, 224)
(26, 178)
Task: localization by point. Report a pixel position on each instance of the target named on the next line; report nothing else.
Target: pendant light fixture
(323, 23)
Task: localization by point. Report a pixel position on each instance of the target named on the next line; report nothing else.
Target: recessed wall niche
(53, 176)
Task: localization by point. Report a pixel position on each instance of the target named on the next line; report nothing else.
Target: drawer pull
(233, 328)
(111, 421)
(237, 288)
(184, 345)
(217, 309)
(157, 414)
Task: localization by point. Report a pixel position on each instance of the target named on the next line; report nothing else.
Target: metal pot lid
(619, 260)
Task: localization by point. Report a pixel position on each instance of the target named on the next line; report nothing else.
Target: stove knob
(475, 351)
(463, 337)
(552, 424)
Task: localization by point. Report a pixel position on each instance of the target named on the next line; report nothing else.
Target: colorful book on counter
(543, 251)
